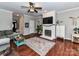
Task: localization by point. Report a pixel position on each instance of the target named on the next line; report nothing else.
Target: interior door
(32, 26)
(60, 31)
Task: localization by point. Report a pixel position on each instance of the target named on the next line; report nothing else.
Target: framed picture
(27, 25)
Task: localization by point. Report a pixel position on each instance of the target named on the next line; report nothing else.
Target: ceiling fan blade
(38, 7)
(28, 11)
(24, 7)
(36, 11)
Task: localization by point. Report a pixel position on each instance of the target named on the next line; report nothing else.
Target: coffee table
(13, 46)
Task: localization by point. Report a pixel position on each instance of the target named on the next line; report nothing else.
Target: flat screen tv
(48, 20)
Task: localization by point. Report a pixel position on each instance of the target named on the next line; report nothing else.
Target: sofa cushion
(5, 33)
(4, 41)
(0, 33)
(3, 47)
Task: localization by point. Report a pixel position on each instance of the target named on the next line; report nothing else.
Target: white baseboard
(49, 38)
(68, 38)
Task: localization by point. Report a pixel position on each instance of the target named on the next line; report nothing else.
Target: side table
(75, 38)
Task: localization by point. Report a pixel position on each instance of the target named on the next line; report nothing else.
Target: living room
(39, 28)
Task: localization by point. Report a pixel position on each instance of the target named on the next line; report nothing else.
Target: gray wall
(5, 20)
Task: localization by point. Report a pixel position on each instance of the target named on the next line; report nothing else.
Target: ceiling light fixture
(31, 9)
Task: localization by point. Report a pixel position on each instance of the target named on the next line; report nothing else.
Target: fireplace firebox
(48, 33)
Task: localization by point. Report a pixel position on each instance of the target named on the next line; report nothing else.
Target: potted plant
(39, 29)
(78, 30)
(75, 30)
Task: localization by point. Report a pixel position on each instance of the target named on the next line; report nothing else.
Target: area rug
(39, 45)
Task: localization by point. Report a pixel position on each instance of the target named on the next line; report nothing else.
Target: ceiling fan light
(31, 10)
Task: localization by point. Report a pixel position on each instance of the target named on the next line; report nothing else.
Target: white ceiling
(47, 6)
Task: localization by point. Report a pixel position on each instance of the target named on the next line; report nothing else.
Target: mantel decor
(76, 30)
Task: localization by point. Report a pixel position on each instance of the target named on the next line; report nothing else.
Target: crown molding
(68, 10)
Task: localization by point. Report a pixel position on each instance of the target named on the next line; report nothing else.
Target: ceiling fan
(32, 8)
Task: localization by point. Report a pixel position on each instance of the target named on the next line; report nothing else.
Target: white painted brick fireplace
(49, 28)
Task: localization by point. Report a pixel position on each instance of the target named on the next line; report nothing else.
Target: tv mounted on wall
(48, 20)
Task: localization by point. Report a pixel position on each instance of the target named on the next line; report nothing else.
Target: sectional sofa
(4, 39)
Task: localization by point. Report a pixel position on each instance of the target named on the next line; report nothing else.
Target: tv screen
(48, 20)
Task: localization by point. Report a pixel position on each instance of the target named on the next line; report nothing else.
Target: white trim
(5, 10)
(68, 10)
(68, 38)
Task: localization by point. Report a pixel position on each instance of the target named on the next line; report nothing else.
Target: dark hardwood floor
(61, 48)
